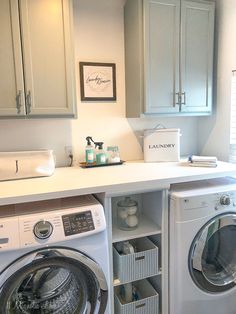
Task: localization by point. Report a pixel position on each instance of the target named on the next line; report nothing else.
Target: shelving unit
(146, 228)
(152, 225)
(116, 282)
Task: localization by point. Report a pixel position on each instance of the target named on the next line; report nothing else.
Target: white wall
(214, 131)
(99, 36)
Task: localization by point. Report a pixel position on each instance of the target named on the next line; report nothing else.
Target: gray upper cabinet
(169, 57)
(12, 100)
(161, 55)
(197, 34)
(42, 73)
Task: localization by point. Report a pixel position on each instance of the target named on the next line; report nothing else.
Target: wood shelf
(146, 228)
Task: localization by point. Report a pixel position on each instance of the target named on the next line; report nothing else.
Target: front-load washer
(202, 252)
(54, 258)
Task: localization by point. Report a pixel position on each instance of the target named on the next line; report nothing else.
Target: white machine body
(203, 247)
(71, 229)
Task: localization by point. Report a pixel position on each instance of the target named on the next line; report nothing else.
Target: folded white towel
(208, 159)
(203, 164)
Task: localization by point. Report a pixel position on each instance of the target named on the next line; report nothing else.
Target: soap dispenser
(100, 154)
(89, 151)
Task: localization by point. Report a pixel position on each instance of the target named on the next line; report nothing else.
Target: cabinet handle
(28, 102)
(184, 102)
(18, 102)
(178, 99)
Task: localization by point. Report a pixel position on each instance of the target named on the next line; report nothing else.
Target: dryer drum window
(51, 283)
(212, 257)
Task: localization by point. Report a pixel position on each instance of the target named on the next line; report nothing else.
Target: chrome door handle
(184, 102)
(178, 102)
(28, 102)
(18, 102)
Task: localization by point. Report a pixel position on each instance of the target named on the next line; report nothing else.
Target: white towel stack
(202, 161)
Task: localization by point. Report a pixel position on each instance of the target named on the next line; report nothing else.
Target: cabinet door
(197, 33)
(161, 55)
(48, 57)
(11, 83)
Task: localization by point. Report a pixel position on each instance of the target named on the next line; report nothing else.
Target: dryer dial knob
(225, 200)
(43, 229)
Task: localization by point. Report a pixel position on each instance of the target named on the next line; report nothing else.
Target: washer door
(212, 257)
(53, 280)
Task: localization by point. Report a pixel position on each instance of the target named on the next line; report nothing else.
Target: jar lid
(112, 148)
(127, 202)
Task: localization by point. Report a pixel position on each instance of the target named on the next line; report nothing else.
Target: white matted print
(97, 81)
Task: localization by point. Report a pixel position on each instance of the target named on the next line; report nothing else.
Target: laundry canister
(161, 145)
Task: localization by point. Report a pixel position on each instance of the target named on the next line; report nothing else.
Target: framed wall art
(97, 81)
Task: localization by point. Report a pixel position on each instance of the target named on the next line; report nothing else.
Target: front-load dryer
(54, 258)
(202, 253)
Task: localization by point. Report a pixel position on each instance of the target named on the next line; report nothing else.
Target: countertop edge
(142, 184)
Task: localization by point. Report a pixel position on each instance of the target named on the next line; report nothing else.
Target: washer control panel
(74, 218)
(78, 223)
(61, 225)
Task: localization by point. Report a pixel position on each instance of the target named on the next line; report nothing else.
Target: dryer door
(212, 257)
(53, 280)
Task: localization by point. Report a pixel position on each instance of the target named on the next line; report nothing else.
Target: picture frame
(97, 81)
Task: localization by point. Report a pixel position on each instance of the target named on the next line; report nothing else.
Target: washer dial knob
(225, 200)
(43, 229)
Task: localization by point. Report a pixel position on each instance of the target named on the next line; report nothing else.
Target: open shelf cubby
(145, 263)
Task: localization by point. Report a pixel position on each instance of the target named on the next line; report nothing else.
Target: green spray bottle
(89, 151)
(100, 154)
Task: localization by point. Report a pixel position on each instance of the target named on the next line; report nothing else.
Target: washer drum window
(212, 257)
(55, 280)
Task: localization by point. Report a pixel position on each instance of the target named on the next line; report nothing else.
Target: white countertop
(129, 177)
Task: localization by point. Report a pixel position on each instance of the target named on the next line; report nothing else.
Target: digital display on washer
(78, 223)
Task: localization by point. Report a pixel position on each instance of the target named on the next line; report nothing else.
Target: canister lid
(147, 131)
(127, 202)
